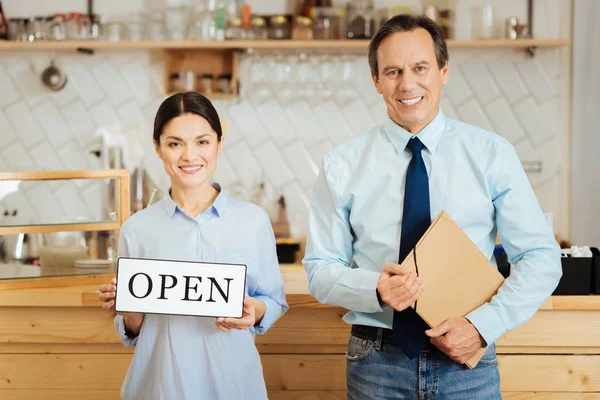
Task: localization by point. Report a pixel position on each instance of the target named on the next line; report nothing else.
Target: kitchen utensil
(53, 77)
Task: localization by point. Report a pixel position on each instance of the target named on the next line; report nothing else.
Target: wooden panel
(64, 348)
(309, 326)
(74, 284)
(557, 329)
(549, 396)
(68, 371)
(60, 394)
(304, 372)
(546, 350)
(59, 175)
(56, 325)
(292, 348)
(549, 373)
(306, 395)
(91, 227)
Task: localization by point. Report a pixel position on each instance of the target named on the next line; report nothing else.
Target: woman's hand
(248, 318)
(133, 321)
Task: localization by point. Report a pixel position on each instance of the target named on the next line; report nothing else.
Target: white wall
(585, 189)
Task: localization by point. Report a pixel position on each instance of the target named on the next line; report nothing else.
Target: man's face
(409, 78)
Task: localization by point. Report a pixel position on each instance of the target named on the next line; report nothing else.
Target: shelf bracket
(531, 50)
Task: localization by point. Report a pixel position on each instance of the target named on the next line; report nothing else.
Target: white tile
(509, 80)
(276, 122)
(504, 120)
(71, 202)
(113, 83)
(549, 60)
(296, 200)
(244, 163)
(86, 85)
(26, 129)
(93, 196)
(537, 127)
(552, 113)
(359, 117)
(448, 108)
(472, 113)
(65, 95)
(79, 121)
(247, 119)
(304, 121)
(332, 119)
(364, 83)
(232, 133)
(9, 93)
(526, 151)
(319, 150)
(18, 158)
(273, 164)
(535, 78)
(224, 174)
(103, 114)
(301, 162)
(7, 132)
(53, 123)
(46, 205)
(28, 83)
(72, 156)
(457, 89)
(130, 112)
(141, 83)
(480, 81)
(45, 157)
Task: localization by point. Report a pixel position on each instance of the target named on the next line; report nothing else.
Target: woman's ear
(157, 149)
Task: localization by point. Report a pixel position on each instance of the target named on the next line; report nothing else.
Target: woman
(183, 357)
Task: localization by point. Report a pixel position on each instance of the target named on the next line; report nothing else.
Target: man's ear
(445, 71)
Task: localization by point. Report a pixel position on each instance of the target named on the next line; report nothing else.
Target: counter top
(81, 291)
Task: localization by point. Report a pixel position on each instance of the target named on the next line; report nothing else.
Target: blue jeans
(376, 370)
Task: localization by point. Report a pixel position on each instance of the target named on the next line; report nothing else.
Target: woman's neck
(196, 200)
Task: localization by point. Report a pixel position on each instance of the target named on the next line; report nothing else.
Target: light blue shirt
(183, 357)
(355, 219)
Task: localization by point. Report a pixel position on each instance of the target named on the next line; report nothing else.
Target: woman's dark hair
(409, 23)
(186, 103)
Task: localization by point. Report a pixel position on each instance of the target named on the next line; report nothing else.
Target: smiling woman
(187, 357)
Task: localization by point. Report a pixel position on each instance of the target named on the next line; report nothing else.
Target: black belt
(371, 333)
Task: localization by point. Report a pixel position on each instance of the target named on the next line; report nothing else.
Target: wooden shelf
(263, 44)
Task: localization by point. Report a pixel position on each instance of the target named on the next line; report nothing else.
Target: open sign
(180, 287)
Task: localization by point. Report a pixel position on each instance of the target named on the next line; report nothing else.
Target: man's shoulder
(473, 134)
(353, 147)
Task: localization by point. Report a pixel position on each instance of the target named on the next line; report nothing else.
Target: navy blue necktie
(409, 328)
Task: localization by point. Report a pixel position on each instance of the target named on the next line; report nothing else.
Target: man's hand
(457, 338)
(398, 286)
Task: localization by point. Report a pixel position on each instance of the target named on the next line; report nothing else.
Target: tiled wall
(277, 130)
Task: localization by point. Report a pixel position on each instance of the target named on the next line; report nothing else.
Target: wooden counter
(57, 343)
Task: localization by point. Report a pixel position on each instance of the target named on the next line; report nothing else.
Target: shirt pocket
(231, 257)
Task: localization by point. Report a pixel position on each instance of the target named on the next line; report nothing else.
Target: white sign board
(180, 287)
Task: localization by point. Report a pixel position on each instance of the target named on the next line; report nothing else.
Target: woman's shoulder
(249, 211)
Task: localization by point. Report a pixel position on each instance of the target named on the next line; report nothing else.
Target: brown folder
(458, 278)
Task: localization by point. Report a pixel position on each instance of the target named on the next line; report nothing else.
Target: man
(376, 195)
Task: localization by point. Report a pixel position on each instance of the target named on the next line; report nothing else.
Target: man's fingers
(397, 269)
(441, 329)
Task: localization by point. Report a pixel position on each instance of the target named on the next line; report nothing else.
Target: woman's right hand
(107, 295)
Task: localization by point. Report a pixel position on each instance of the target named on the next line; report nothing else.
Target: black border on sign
(182, 261)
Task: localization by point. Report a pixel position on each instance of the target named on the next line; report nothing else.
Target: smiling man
(377, 194)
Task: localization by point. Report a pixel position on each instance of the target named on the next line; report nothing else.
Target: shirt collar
(430, 135)
(218, 207)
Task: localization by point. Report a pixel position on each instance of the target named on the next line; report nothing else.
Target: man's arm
(528, 241)
(329, 250)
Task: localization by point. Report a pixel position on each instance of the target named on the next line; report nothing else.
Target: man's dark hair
(409, 23)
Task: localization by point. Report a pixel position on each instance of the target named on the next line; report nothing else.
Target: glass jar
(223, 84)
(302, 29)
(206, 84)
(361, 19)
(175, 83)
(279, 28)
(234, 29)
(325, 23)
(258, 30)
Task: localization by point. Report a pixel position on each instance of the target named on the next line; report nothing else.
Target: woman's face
(189, 150)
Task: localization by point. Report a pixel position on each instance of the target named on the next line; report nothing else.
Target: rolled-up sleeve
(331, 280)
(270, 288)
(529, 243)
(119, 321)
